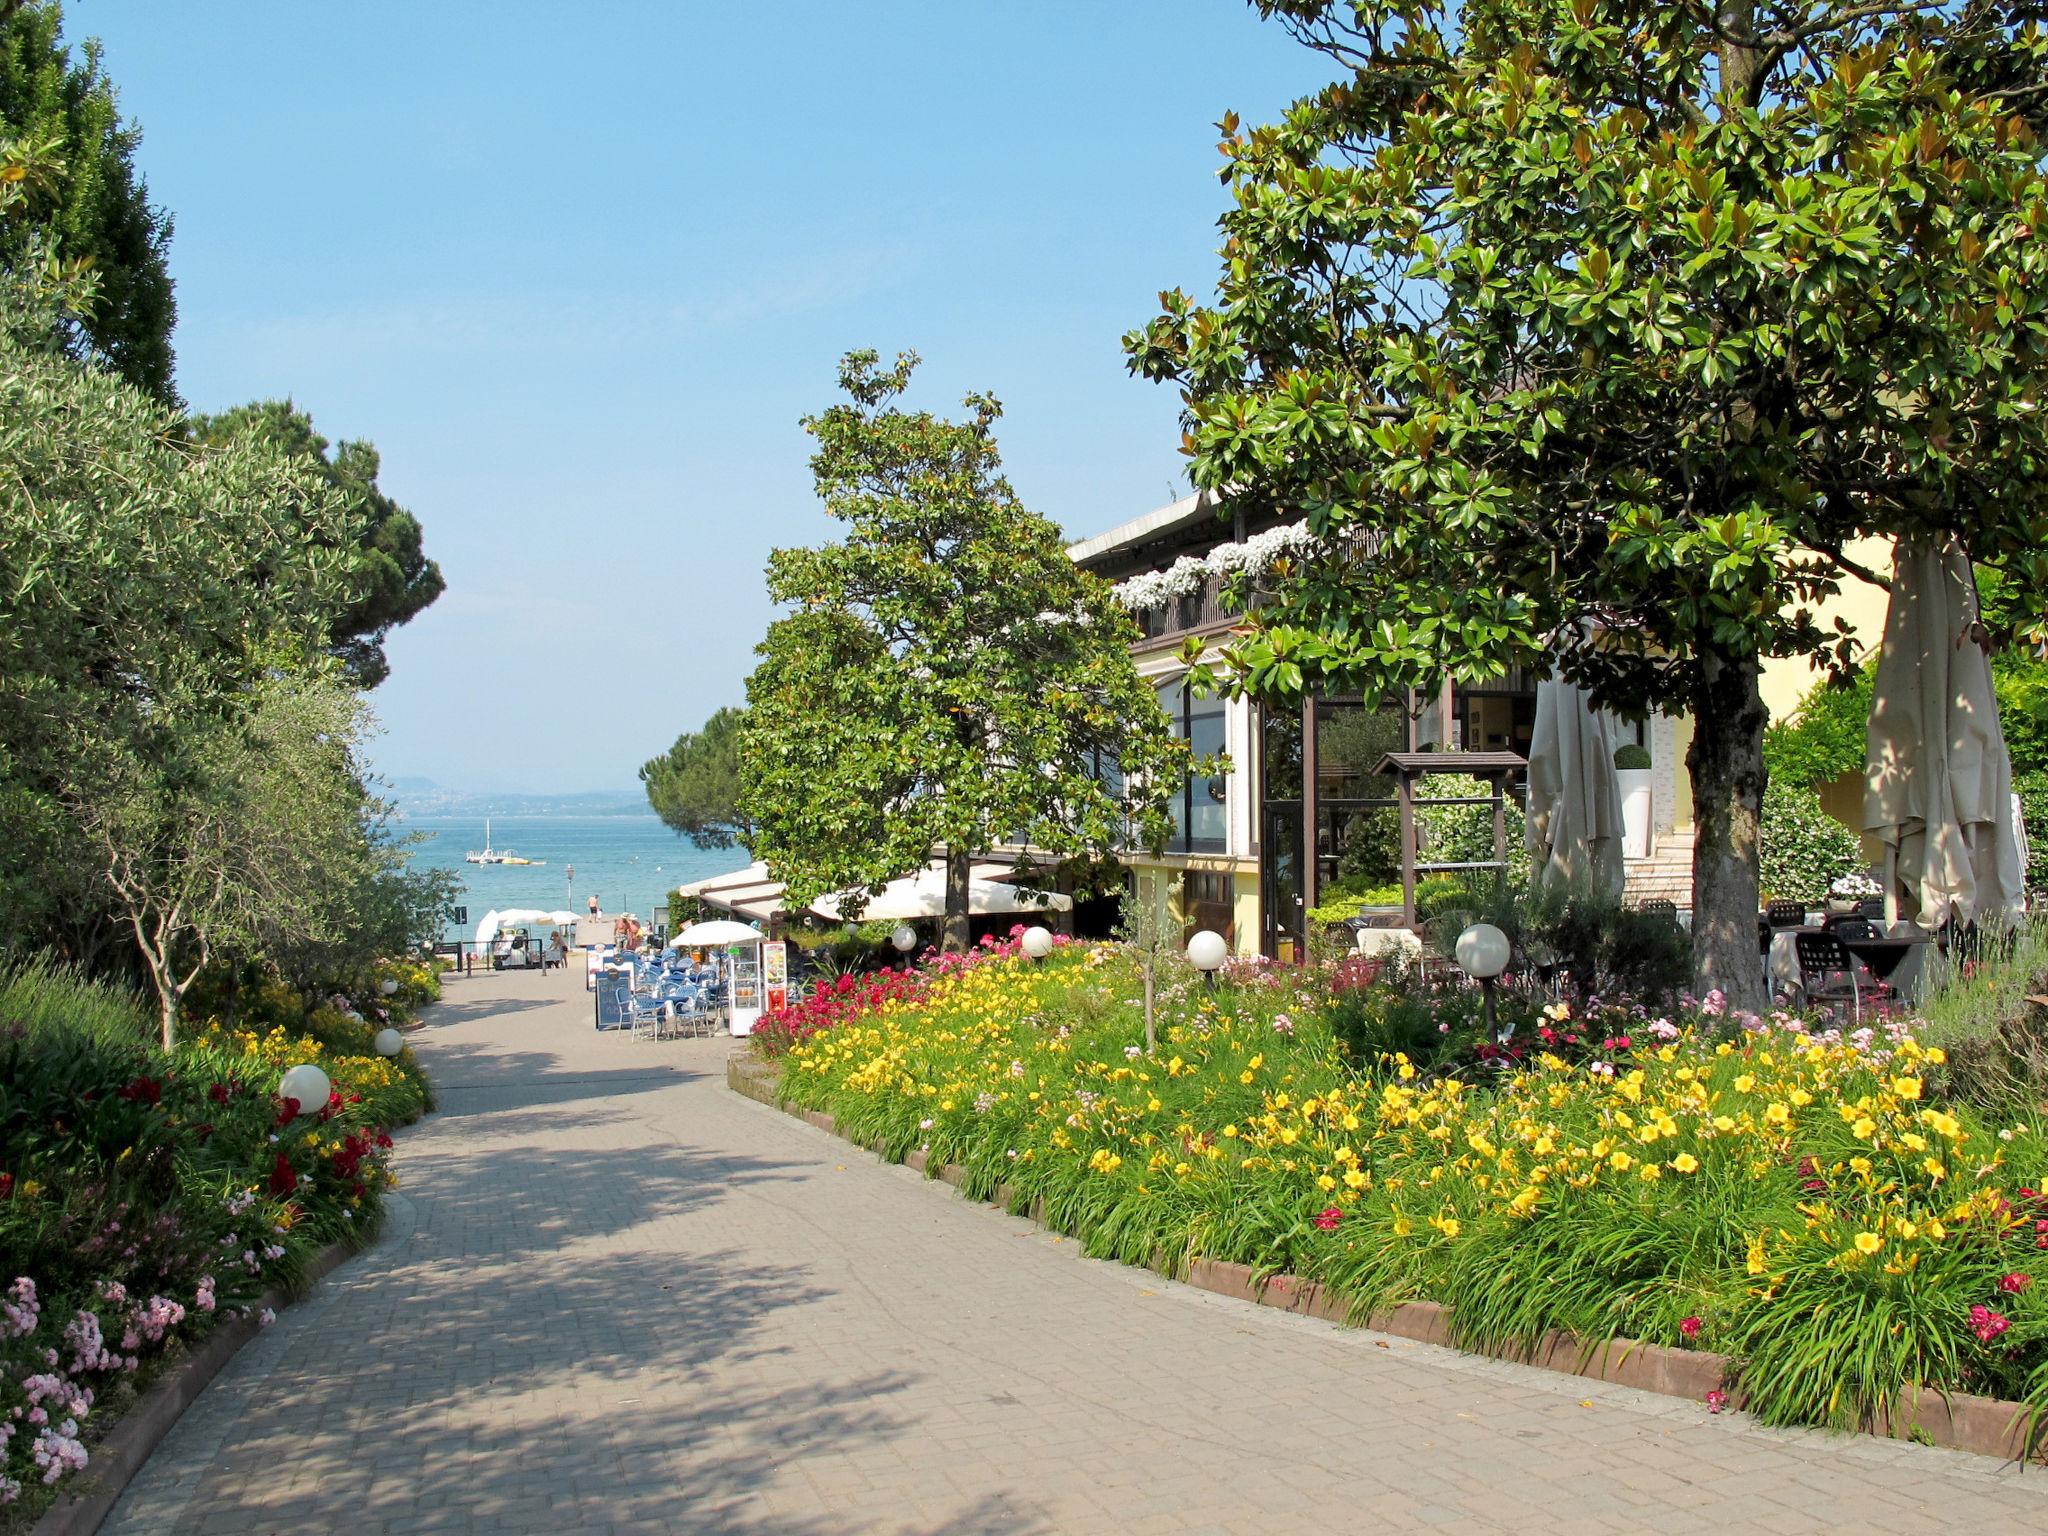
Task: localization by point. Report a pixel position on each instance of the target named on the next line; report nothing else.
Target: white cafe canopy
(1574, 821)
(716, 934)
(1937, 780)
(924, 895)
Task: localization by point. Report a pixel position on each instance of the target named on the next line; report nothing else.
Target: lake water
(629, 862)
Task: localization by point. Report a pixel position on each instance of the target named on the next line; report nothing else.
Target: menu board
(775, 973)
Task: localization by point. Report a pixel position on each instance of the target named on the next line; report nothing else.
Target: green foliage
(683, 910)
(947, 676)
(1605, 948)
(1825, 739)
(1463, 834)
(1631, 757)
(392, 577)
(1804, 850)
(2021, 683)
(695, 785)
(94, 207)
(1537, 312)
(179, 769)
(2032, 789)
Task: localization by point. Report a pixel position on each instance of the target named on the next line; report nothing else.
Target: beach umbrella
(1573, 827)
(487, 929)
(924, 895)
(1937, 786)
(716, 934)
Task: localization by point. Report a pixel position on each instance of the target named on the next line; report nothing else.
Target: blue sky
(578, 279)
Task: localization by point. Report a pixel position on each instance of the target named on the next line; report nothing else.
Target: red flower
(6, 1186)
(1690, 1327)
(1987, 1324)
(144, 1090)
(2012, 1285)
(1716, 1400)
(1326, 1219)
(287, 1112)
(218, 1093)
(283, 1177)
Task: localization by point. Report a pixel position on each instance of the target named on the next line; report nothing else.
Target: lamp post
(572, 885)
(905, 940)
(1483, 951)
(1036, 943)
(1207, 952)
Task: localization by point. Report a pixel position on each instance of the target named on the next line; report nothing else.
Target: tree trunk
(1727, 763)
(955, 935)
(169, 997)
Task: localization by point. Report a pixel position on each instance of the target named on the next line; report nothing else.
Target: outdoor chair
(1660, 906)
(1850, 929)
(1829, 975)
(1785, 914)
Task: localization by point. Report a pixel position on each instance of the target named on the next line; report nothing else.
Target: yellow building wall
(1789, 679)
(1244, 911)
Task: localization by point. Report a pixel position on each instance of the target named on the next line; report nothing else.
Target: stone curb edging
(1985, 1426)
(127, 1446)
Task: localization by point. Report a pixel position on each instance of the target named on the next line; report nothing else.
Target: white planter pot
(1635, 811)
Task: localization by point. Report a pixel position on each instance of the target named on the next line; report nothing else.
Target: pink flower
(1716, 1400)
(1690, 1327)
(2012, 1285)
(1326, 1219)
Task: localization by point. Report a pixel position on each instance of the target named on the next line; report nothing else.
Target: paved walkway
(615, 1296)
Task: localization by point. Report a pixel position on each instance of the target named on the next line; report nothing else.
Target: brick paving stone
(614, 1296)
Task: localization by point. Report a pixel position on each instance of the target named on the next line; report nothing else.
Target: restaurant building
(1302, 802)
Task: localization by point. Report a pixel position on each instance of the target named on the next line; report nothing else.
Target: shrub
(2032, 789)
(1463, 834)
(1631, 757)
(1803, 850)
(1824, 738)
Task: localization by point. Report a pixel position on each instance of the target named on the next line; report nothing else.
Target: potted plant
(1851, 891)
(1632, 771)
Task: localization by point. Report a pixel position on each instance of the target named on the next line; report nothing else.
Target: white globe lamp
(389, 986)
(389, 1042)
(904, 938)
(307, 1084)
(1037, 943)
(1483, 951)
(1207, 952)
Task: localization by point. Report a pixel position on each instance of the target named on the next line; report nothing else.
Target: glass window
(1200, 811)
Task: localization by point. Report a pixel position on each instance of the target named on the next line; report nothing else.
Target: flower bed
(1797, 1201)
(144, 1196)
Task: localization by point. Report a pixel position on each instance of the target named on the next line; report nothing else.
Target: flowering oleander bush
(144, 1195)
(1798, 1199)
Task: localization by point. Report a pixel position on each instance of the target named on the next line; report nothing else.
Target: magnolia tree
(947, 677)
(1594, 335)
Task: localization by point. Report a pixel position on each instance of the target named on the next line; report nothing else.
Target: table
(1881, 956)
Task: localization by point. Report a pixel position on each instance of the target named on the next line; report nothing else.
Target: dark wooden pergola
(1496, 768)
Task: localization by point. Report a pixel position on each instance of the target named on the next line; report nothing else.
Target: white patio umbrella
(1937, 779)
(716, 934)
(924, 895)
(487, 928)
(1573, 827)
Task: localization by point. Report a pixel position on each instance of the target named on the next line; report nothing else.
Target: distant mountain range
(423, 797)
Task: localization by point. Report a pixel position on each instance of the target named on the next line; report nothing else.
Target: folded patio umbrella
(1937, 780)
(1574, 824)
